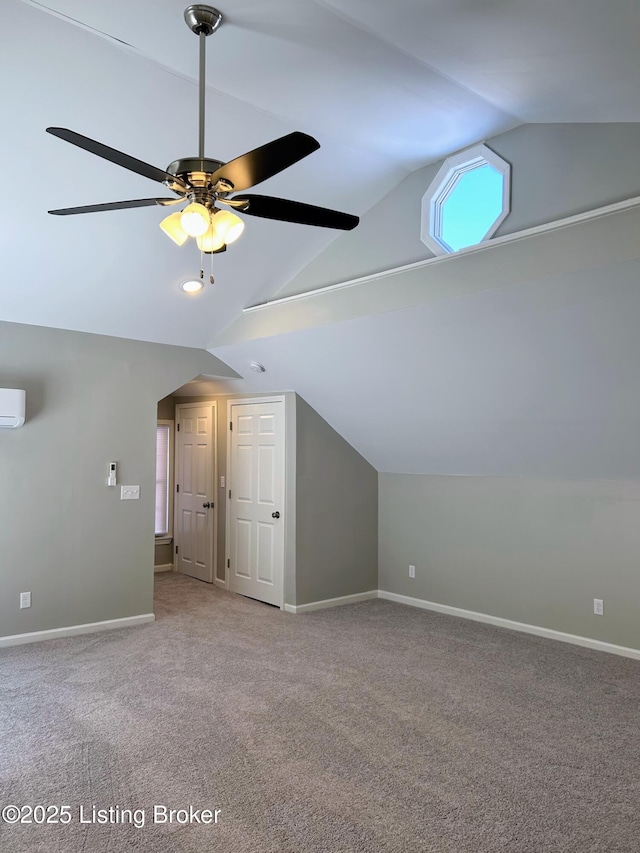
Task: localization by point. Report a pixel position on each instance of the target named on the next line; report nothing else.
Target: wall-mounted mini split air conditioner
(12, 405)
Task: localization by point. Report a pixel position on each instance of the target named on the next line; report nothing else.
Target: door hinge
(231, 425)
(178, 425)
(177, 487)
(176, 549)
(229, 492)
(228, 564)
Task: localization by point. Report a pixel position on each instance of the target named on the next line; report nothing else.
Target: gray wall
(535, 551)
(65, 536)
(557, 170)
(336, 506)
(163, 555)
(167, 408)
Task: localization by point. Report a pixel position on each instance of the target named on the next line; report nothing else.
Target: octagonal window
(467, 201)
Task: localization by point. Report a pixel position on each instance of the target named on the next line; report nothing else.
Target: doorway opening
(186, 518)
(229, 489)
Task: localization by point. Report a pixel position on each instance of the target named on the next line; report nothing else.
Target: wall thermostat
(113, 470)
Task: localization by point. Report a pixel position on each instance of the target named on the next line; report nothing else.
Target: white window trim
(442, 185)
(167, 538)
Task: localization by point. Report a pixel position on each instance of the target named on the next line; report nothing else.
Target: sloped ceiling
(387, 88)
(517, 358)
(535, 380)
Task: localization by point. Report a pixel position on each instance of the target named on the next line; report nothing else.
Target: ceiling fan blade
(284, 210)
(256, 166)
(116, 205)
(115, 156)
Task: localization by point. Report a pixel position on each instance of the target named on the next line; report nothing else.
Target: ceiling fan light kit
(204, 183)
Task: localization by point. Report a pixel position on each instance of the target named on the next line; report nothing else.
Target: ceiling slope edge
(587, 241)
(185, 363)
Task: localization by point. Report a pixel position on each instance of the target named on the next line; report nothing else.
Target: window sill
(164, 540)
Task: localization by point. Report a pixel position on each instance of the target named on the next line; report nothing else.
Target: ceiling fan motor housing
(196, 167)
(197, 172)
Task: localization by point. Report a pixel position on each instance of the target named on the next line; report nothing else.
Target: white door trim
(214, 460)
(248, 401)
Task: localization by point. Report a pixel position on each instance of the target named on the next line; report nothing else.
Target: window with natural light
(467, 201)
(164, 437)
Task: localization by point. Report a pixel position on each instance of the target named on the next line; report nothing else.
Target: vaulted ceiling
(385, 87)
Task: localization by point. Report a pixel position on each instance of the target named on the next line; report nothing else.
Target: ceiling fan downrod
(203, 21)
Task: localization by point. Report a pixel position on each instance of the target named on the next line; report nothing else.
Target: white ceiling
(386, 88)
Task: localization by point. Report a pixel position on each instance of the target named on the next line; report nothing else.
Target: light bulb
(228, 225)
(192, 286)
(172, 226)
(195, 219)
(210, 241)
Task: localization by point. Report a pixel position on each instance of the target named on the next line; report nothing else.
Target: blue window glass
(471, 207)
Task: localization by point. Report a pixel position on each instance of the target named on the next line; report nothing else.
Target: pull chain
(211, 278)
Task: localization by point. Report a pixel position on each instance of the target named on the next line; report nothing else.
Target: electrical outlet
(25, 600)
(412, 571)
(598, 606)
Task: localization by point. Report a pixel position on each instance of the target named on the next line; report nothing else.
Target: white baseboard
(549, 633)
(331, 602)
(73, 630)
(144, 618)
(166, 567)
(220, 583)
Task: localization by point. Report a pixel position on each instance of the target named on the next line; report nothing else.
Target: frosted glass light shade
(172, 226)
(210, 241)
(195, 219)
(228, 225)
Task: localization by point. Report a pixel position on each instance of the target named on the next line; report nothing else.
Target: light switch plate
(129, 493)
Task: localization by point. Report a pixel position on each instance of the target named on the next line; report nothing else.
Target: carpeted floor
(372, 727)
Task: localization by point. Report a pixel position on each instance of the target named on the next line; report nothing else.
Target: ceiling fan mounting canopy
(203, 181)
(202, 19)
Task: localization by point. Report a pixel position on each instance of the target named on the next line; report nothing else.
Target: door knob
(207, 505)
(275, 515)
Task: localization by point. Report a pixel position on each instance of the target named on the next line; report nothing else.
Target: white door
(256, 500)
(195, 490)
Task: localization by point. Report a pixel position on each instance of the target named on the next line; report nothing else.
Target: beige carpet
(373, 727)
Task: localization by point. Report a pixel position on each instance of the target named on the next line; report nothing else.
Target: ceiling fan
(206, 183)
